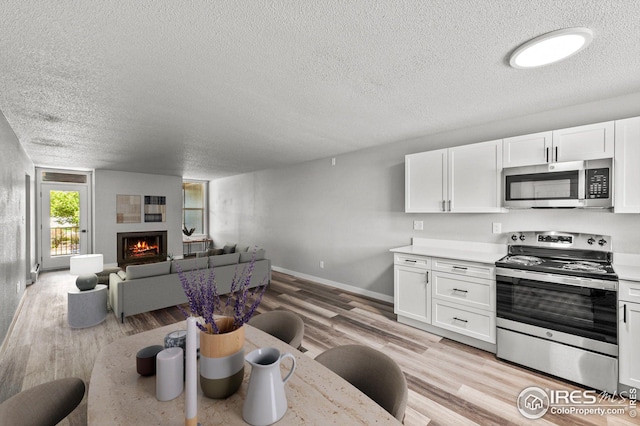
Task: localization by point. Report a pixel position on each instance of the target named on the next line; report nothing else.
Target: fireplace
(141, 247)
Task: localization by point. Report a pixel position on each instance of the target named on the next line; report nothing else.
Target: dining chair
(371, 371)
(284, 325)
(43, 405)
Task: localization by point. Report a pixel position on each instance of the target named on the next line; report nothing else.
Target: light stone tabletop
(315, 395)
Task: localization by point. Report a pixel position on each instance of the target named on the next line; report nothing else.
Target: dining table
(118, 395)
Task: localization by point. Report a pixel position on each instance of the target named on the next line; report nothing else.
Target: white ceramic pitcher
(266, 401)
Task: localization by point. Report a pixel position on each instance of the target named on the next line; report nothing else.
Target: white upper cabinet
(460, 179)
(626, 169)
(590, 142)
(527, 150)
(474, 173)
(425, 181)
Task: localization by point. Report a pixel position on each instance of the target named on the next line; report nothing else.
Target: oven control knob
(591, 240)
(602, 241)
(514, 237)
(522, 237)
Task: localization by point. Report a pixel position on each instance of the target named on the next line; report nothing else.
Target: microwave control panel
(597, 183)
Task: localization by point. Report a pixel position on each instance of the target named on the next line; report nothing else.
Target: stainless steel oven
(557, 307)
(568, 184)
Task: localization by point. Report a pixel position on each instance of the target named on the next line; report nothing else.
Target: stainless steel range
(557, 306)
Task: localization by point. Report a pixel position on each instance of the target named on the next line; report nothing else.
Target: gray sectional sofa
(147, 287)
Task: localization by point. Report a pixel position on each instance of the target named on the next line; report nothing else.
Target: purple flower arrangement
(205, 302)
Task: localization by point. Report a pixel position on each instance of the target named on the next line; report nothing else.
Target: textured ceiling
(207, 89)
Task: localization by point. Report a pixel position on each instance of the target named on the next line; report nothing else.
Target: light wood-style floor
(449, 383)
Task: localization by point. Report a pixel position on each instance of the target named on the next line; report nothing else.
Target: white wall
(349, 215)
(110, 183)
(16, 166)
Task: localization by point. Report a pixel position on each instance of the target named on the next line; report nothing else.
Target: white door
(64, 220)
(475, 177)
(527, 150)
(628, 332)
(425, 181)
(627, 172)
(412, 296)
(590, 142)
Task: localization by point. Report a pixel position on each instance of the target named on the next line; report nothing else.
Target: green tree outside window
(65, 207)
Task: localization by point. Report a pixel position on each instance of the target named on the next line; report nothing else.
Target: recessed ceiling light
(551, 47)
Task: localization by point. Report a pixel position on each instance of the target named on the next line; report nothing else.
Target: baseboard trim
(13, 323)
(335, 284)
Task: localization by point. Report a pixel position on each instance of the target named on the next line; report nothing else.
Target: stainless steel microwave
(566, 185)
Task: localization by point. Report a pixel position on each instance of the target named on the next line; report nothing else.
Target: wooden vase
(222, 360)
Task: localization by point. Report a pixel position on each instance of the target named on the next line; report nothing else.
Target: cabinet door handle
(461, 291)
(556, 153)
(546, 155)
(449, 204)
(443, 206)
(460, 319)
(462, 268)
(624, 314)
(427, 275)
(410, 260)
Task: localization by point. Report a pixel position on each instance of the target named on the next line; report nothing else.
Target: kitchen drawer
(471, 269)
(465, 320)
(469, 291)
(413, 261)
(629, 291)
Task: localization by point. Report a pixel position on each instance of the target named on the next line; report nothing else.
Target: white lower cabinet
(463, 298)
(629, 333)
(412, 292)
(476, 323)
(448, 294)
(464, 290)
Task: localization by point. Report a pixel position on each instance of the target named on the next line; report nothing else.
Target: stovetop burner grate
(586, 267)
(523, 260)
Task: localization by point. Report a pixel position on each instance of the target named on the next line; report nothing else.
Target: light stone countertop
(459, 250)
(315, 395)
(627, 266)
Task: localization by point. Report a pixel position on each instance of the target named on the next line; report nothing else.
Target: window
(64, 177)
(194, 207)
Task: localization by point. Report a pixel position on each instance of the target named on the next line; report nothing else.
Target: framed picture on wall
(128, 209)
(155, 208)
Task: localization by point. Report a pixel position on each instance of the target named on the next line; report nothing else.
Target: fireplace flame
(142, 248)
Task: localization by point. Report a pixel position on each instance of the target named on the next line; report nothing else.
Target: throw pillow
(229, 248)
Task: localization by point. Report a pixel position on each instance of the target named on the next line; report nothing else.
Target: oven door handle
(558, 279)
